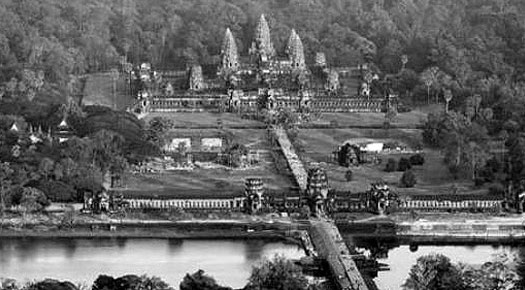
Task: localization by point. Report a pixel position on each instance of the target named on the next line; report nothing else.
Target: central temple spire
(262, 44)
(229, 55)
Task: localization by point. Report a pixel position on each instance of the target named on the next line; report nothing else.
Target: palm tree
(448, 98)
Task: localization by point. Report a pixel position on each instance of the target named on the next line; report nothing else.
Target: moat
(83, 260)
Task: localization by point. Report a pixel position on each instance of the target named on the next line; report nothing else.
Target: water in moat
(82, 260)
(228, 261)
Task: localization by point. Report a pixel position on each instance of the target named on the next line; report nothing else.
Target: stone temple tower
(254, 190)
(229, 55)
(196, 80)
(317, 190)
(332, 81)
(262, 46)
(295, 51)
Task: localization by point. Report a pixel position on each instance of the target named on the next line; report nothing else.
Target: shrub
(408, 179)
(404, 164)
(497, 189)
(58, 191)
(391, 165)
(349, 175)
(417, 159)
(391, 145)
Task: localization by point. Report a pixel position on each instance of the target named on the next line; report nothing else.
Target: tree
(33, 200)
(493, 275)
(417, 159)
(286, 118)
(157, 128)
(408, 179)
(348, 175)
(404, 61)
(127, 282)
(391, 165)
(276, 274)
(516, 157)
(50, 284)
(46, 167)
(200, 281)
(404, 164)
(448, 97)
(235, 154)
(434, 272)
(182, 148)
(6, 184)
(107, 146)
(429, 77)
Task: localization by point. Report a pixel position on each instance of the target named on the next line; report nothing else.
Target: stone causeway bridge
(324, 235)
(295, 164)
(331, 247)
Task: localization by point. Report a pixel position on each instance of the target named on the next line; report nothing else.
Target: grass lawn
(213, 181)
(204, 182)
(324, 141)
(205, 119)
(417, 116)
(433, 177)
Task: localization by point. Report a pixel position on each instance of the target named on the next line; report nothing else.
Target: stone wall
(249, 102)
(234, 204)
(445, 205)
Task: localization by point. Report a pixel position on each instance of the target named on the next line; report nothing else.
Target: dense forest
(474, 44)
(469, 53)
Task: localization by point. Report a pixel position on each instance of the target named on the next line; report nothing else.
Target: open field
(219, 181)
(202, 182)
(206, 119)
(433, 177)
(416, 117)
(410, 119)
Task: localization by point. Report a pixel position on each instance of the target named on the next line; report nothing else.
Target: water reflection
(401, 256)
(252, 249)
(82, 260)
(401, 260)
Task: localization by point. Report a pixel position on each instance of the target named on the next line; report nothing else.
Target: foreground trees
(277, 274)
(434, 272)
(437, 272)
(200, 281)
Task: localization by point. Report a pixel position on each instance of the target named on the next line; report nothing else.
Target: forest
(467, 53)
(471, 45)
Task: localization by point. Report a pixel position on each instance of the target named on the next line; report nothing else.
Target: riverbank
(453, 229)
(189, 229)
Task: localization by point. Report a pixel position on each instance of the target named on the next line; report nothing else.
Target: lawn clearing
(219, 181)
(417, 116)
(432, 178)
(205, 119)
(202, 182)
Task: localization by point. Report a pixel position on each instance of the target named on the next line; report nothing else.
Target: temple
(261, 79)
